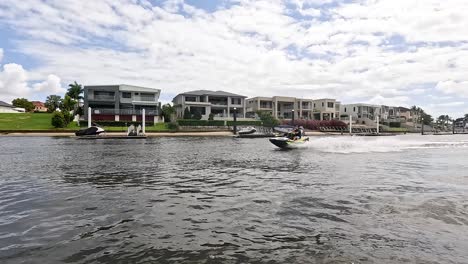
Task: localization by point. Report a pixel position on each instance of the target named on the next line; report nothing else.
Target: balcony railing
(144, 98)
(124, 112)
(104, 97)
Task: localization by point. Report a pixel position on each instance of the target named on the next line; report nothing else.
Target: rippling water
(221, 200)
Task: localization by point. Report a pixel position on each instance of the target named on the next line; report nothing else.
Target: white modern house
(8, 108)
(284, 107)
(122, 102)
(359, 110)
(219, 103)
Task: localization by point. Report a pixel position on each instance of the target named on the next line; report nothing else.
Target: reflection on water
(223, 200)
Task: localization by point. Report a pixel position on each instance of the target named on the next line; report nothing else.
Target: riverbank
(148, 134)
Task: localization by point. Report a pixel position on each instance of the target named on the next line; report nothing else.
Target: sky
(393, 52)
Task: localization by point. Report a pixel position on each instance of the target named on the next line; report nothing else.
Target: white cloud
(458, 88)
(14, 83)
(391, 51)
(50, 86)
(394, 101)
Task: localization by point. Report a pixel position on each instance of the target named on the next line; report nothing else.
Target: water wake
(383, 144)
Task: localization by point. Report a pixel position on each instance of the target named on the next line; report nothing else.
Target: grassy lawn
(396, 129)
(159, 127)
(36, 121)
(30, 121)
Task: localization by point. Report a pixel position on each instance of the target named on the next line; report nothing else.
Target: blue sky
(392, 52)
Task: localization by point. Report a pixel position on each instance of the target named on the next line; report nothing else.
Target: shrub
(187, 114)
(67, 117)
(173, 126)
(211, 117)
(58, 120)
(317, 124)
(191, 122)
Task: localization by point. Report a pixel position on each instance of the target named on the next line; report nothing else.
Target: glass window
(126, 95)
(330, 104)
(190, 99)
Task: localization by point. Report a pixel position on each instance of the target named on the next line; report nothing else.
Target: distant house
(364, 111)
(219, 103)
(8, 108)
(284, 107)
(39, 106)
(405, 113)
(121, 102)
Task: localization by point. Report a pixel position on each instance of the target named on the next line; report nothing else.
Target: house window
(330, 104)
(323, 104)
(126, 95)
(354, 109)
(236, 101)
(190, 99)
(345, 109)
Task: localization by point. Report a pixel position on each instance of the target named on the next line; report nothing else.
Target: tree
(466, 116)
(167, 112)
(53, 102)
(267, 119)
(426, 119)
(23, 103)
(75, 91)
(211, 117)
(187, 114)
(58, 120)
(197, 115)
(67, 104)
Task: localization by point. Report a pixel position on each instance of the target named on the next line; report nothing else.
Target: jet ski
(247, 130)
(90, 131)
(287, 143)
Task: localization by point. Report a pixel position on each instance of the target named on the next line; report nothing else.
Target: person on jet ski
(295, 133)
(301, 131)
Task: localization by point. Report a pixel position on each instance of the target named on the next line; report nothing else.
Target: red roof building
(39, 106)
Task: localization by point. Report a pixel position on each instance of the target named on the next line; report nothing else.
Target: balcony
(124, 112)
(101, 97)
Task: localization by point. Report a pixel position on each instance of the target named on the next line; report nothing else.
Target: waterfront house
(122, 102)
(8, 108)
(390, 113)
(360, 111)
(406, 114)
(326, 109)
(39, 106)
(219, 103)
(282, 107)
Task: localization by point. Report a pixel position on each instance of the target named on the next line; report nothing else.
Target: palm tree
(75, 91)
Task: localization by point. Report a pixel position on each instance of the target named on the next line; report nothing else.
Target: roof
(362, 104)
(215, 93)
(5, 104)
(38, 103)
(401, 108)
(124, 87)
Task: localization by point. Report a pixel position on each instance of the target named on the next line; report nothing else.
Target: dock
(111, 137)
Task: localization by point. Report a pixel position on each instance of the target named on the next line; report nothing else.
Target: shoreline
(148, 134)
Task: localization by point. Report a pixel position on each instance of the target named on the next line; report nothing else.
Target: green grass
(42, 121)
(30, 121)
(158, 127)
(396, 129)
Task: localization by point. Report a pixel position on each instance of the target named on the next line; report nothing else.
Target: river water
(344, 199)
